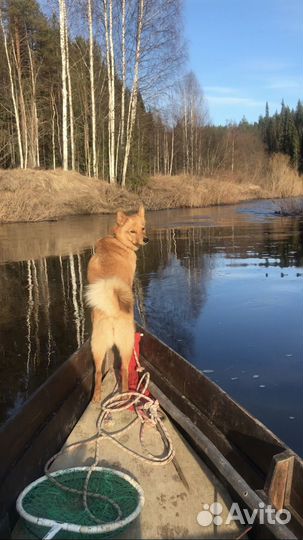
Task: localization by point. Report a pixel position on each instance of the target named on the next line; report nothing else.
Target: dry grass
(36, 195)
(282, 180)
(188, 192)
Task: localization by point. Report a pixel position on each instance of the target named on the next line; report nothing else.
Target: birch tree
(92, 85)
(53, 129)
(23, 120)
(53, 113)
(123, 75)
(193, 113)
(110, 60)
(34, 147)
(69, 86)
(132, 108)
(142, 51)
(13, 91)
(64, 83)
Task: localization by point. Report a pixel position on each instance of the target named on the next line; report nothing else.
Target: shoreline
(28, 196)
(222, 204)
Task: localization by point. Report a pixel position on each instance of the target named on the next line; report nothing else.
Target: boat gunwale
(69, 402)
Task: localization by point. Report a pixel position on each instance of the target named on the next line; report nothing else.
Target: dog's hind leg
(99, 349)
(125, 340)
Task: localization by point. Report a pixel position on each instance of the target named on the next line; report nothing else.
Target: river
(223, 286)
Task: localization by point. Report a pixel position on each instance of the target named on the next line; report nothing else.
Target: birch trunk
(134, 94)
(172, 152)
(13, 93)
(70, 93)
(64, 86)
(191, 140)
(53, 130)
(58, 130)
(35, 121)
(233, 154)
(186, 150)
(110, 60)
(23, 123)
(121, 139)
(165, 152)
(92, 86)
(113, 104)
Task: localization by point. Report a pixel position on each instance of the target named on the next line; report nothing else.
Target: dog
(110, 275)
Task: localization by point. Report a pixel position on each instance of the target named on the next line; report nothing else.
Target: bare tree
(142, 50)
(34, 147)
(123, 75)
(132, 108)
(70, 93)
(53, 128)
(110, 60)
(13, 91)
(23, 120)
(92, 85)
(62, 11)
(193, 113)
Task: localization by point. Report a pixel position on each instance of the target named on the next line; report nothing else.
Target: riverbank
(40, 195)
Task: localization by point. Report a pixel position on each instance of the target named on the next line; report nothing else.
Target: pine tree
(298, 119)
(266, 110)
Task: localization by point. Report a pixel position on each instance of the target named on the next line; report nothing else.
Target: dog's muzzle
(145, 240)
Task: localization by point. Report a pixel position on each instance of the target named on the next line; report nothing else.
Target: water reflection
(222, 286)
(230, 298)
(174, 278)
(42, 322)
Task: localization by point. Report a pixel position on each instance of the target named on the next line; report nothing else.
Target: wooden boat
(250, 463)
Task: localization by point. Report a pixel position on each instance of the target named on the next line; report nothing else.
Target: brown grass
(188, 192)
(282, 180)
(36, 195)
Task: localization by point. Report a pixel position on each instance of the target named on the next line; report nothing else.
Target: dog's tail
(110, 295)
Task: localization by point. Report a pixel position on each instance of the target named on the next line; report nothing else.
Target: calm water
(222, 286)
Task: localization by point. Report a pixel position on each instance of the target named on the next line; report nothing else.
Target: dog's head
(130, 230)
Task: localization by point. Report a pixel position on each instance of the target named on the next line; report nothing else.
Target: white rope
(147, 411)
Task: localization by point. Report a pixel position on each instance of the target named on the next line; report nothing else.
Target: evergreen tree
(298, 119)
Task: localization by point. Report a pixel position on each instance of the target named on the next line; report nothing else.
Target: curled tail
(110, 295)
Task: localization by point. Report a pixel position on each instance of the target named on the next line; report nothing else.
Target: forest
(96, 88)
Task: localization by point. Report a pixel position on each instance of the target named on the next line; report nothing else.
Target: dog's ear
(141, 211)
(121, 217)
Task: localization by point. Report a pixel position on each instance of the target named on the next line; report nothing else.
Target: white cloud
(267, 66)
(232, 100)
(284, 84)
(221, 89)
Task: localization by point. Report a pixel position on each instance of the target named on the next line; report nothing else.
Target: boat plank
(294, 490)
(46, 440)
(170, 509)
(17, 433)
(252, 474)
(243, 430)
(236, 483)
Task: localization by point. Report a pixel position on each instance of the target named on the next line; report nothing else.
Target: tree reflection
(42, 322)
(43, 317)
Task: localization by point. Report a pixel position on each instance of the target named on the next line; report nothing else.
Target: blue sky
(244, 53)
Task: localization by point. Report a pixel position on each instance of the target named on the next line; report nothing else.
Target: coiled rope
(147, 413)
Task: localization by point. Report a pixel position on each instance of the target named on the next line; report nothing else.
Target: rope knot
(151, 410)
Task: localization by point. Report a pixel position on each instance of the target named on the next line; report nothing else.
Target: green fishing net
(49, 501)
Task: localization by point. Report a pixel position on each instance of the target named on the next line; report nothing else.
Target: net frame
(55, 526)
